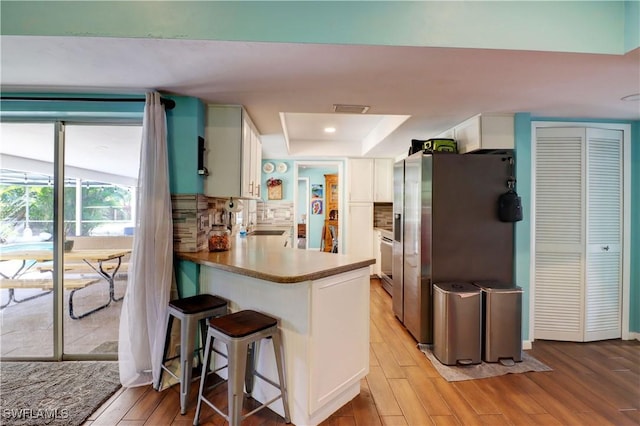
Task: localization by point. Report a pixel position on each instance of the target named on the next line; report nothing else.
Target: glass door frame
(58, 353)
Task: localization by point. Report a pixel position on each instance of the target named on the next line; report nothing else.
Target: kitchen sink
(267, 232)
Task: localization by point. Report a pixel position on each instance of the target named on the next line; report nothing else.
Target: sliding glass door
(76, 206)
(26, 226)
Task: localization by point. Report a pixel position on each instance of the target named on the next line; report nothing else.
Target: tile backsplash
(275, 213)
(383, 216)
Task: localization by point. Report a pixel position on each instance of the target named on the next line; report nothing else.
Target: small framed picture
(316, 206)
(317, 190)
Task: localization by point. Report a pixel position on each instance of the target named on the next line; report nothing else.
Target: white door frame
(626, 214)
(341, 182)
(305, 181)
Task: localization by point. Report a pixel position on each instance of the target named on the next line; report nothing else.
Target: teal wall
(287, 180)
(522, 260)
(607, 27)
(631, 25)
(184, 124)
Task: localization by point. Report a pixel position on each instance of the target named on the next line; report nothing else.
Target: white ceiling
(298, 84)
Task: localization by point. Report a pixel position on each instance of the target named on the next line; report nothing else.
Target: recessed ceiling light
(329, 129)
(634, 97)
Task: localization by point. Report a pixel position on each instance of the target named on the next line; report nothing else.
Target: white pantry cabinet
(485, 132)
(233, 153)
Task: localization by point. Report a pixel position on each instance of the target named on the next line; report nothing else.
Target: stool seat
(198, 303)
(242, 323)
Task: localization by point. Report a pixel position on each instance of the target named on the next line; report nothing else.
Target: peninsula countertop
(264, 257)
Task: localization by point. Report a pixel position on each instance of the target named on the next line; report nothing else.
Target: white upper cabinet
(383, 180)
(360, 180)
(233, 153)
(484, 132)
(370, 180)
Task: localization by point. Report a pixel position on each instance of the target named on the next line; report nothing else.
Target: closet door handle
(605, 248)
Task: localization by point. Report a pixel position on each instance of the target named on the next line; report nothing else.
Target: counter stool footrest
(171, 373)
(271, 382)
(261, 407)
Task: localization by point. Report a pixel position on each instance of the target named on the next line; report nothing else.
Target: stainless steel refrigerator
(446, 228)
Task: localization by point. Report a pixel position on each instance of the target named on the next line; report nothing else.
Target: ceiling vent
(350, 109)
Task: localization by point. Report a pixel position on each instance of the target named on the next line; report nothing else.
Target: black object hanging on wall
(202, 170)
(509, 203)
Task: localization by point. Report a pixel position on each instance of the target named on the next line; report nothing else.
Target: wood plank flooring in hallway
(591, 384)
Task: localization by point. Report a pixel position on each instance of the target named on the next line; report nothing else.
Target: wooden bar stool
(191, 311)
(239, 332)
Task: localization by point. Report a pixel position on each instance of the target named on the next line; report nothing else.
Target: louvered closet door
(604, 235)
(559, 234)
(578, 234)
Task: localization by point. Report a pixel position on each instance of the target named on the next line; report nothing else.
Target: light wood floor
(591, 384)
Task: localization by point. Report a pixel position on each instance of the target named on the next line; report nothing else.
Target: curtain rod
(168, 103)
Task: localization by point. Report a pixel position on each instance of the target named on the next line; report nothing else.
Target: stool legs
(279, 349)
(203, 377)
(167, 338)
(237, 350)
(240, 365)
(251, 368)
(188, 330)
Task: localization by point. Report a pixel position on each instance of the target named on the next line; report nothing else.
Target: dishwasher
(386, 257)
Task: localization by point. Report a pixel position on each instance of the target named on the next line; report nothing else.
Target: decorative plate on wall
(267, 167)
(281, 167)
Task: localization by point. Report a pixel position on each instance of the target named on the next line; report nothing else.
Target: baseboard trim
(527, 345)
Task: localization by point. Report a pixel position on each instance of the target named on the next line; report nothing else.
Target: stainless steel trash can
(502, 322)
(457, 322)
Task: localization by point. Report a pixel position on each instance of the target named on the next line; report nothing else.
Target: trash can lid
(458, 287)
(497, 286)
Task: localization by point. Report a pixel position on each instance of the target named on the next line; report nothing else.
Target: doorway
(302, 213)
(315, 171)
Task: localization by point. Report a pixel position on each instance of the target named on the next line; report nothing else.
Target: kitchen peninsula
(322, 301)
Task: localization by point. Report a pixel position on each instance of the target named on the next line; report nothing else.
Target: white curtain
(142, 321)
